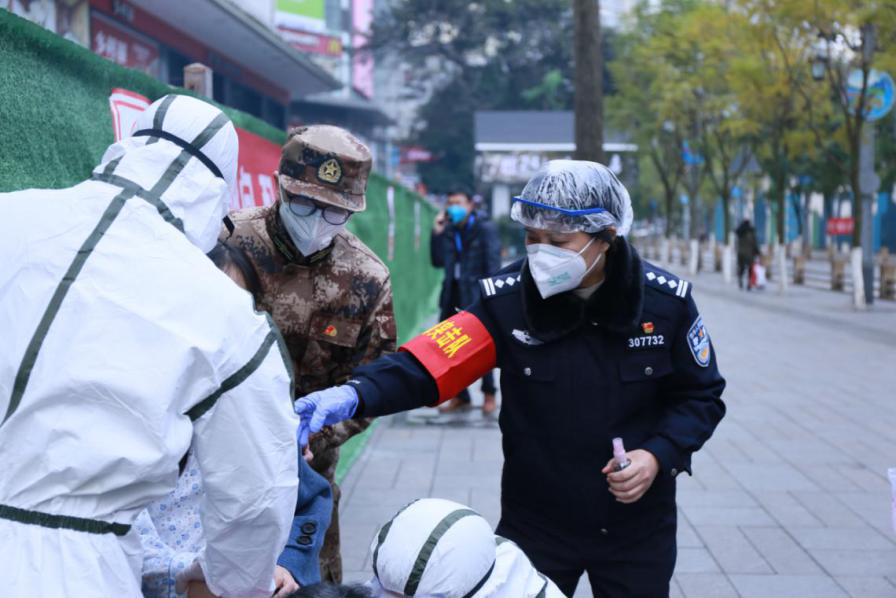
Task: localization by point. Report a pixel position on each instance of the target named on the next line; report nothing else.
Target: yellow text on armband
(448, 337)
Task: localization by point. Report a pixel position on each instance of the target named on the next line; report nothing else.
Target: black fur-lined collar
(616, 305)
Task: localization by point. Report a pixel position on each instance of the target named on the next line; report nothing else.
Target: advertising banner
(67, 18)
(314, 43)
(304, 15)
(362, 60)
(840, 226)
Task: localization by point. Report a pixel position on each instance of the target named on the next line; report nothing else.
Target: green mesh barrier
(56, 124)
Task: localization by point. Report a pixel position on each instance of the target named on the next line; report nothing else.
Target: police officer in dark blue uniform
(593, 344)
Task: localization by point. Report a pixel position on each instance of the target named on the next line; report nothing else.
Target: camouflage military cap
(327, 164)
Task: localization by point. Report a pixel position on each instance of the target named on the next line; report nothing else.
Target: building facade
(511, 145)
(254, 70)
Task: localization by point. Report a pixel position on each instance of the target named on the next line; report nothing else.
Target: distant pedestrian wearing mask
(593, 344)
(466, 244)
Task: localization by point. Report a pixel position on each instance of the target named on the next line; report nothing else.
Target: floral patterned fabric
(171, 533)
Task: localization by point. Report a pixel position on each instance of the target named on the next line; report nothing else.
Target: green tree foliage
(644, 105)
(733, 79)
(484, 55)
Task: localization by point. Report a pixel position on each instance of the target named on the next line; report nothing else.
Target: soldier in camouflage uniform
(327, 292)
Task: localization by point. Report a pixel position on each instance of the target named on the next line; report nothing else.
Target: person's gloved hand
(323, 408)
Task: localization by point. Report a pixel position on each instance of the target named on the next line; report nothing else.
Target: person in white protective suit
(123, 346)
(436, 548)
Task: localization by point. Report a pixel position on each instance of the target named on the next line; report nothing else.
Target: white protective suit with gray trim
(123, 345)
(436, 548)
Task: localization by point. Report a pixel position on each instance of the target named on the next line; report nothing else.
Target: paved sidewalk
(789, 499)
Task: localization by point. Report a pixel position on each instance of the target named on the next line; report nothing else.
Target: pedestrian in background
(326, 291)
(747, 252)
(466, 244)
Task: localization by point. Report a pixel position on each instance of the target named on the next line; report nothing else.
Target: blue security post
(883, 206)
(759, 219)
(888, 225)
(719, 221)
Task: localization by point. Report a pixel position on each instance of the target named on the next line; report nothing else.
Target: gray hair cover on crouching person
(574, 195)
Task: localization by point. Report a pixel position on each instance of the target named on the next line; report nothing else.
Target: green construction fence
(55, 124)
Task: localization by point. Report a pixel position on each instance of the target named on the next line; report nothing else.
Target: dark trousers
(743, 267)
(617, 567)
(488, 381)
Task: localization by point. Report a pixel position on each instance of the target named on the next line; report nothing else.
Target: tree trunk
(589, 134)
(854, 166)
(780, 191)
(670, 204)
(726, 216)
(694, 212)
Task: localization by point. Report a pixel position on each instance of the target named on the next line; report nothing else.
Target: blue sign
(879, 96)
(690, 158)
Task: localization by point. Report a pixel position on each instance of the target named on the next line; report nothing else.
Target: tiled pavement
(789, 498)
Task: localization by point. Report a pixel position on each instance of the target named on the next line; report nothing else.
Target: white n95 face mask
(557, 270)
(309, 233)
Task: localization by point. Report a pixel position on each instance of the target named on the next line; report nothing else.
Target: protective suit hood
(184, 151)
(437, 548)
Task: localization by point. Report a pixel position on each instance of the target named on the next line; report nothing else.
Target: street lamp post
(868, 179)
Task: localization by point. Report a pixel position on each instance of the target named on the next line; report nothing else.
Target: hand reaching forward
(323, 408)
(630, 484)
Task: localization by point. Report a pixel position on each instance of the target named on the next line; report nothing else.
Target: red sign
(415, 154)
(304, 41)
(258, 158)
(119, 45)
(840, 226)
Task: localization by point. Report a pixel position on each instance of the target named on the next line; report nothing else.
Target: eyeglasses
(301, 205)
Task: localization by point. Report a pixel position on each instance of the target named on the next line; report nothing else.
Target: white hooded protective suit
(437, 548)
(123, 345)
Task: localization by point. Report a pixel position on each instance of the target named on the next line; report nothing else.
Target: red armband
(455, 352)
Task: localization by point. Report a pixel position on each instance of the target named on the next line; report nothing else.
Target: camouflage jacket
(334, 310)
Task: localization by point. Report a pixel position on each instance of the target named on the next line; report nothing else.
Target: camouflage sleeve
(377, 338)
(325, 443)
(380, 327)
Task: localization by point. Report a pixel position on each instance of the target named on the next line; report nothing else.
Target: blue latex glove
(324, 408)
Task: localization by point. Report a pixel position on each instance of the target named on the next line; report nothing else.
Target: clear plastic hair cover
(574, 195)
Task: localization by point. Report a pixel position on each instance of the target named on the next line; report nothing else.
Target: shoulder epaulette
(499, 284)
(666, 282)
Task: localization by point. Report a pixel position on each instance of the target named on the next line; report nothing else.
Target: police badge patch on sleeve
(698, 342)
(524, 337)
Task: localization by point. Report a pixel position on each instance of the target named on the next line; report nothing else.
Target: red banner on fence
(256, 164)
(840, 226)
(258, 160)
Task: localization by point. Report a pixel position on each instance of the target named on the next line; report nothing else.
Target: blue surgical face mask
(456, 213)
